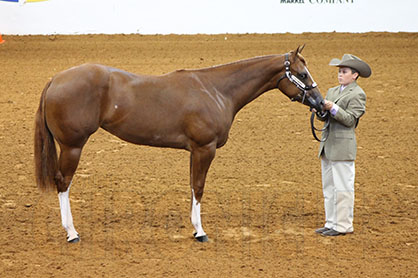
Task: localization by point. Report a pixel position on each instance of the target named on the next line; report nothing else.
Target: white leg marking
(195, 217)
(66, 217)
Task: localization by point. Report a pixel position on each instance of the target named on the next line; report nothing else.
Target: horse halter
(324, 116)
(296, 81)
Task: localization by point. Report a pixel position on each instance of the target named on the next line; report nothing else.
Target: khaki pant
(338, 189)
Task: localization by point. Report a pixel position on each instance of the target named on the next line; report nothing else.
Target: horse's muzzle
(316, 101)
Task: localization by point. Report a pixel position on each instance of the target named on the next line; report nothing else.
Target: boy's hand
(328, 105)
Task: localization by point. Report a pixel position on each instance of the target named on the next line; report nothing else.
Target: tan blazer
(341, 143)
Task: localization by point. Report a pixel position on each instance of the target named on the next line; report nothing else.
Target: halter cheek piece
(296, 81)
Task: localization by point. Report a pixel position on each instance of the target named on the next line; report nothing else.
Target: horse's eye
(302, 76)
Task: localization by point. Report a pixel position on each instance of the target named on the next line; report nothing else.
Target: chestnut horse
(186, 109)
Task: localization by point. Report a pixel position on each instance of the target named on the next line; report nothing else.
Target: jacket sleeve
(355, 109)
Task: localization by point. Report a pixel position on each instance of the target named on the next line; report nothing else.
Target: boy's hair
(353, 71)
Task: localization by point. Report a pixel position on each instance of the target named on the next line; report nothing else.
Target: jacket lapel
(333, 94)
(346, 90)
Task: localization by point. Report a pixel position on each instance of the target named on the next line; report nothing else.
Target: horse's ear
(295, 53)
(300, 48)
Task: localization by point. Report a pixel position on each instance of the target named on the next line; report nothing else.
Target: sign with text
(208, 16)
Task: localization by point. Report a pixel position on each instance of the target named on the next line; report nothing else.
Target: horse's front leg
(200, 160)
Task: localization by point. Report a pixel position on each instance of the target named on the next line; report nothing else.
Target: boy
(346, 103)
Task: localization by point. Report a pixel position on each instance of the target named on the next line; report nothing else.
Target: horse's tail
(46, 161)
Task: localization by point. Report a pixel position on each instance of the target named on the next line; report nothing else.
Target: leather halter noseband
(296, 81)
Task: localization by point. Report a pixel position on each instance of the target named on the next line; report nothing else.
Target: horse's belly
(163, 137)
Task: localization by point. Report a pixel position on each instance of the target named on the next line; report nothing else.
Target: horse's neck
(244, 81)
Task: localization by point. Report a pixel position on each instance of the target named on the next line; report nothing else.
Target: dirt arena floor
(263, 196)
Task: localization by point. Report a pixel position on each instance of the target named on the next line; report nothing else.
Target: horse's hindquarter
(164, 111)
(73, 103)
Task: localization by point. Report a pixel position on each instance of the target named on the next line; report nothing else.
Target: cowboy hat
(353, 62)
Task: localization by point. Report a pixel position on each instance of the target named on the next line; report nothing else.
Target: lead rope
(326, 125)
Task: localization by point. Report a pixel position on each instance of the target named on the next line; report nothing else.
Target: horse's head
(297, 83)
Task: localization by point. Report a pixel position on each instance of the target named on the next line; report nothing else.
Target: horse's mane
(239, 62)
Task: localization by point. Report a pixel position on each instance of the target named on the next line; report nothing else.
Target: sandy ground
(263, 197)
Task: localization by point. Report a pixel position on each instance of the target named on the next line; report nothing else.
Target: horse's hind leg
(68, 161)
(66, 216)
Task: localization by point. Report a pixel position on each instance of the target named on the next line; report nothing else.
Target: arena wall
(206, 16)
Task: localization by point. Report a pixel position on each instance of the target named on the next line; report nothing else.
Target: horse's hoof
(74, 240)
(202, 238)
